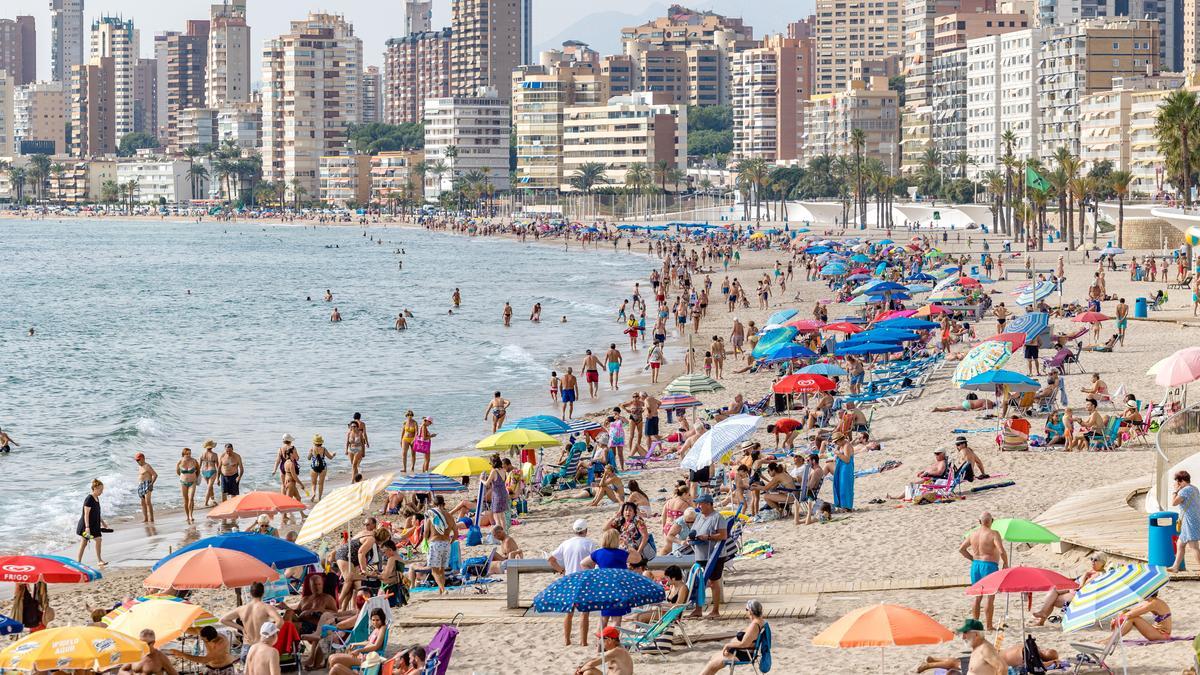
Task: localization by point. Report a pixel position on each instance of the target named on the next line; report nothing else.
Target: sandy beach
(890, 552)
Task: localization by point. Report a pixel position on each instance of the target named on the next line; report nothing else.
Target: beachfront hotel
(466, 134)
(643, 128)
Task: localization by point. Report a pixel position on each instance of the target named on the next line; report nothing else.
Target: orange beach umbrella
(210, 568)
(254, 504)
(883, 626)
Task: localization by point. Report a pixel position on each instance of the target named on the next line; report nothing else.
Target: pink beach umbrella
(1182, 367)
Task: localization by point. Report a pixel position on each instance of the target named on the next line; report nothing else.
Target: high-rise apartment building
(1169, 15)
(418, 16)
(770, 85)
(241, 124)
(18, 49)
(66, 38)
(415, 68)
(1081, 59)
(540, 95)
(687, 55)
(161, 43)
(372, 101)
(41, 112)
(116, 38)
(467, 134)
(145, 96)
(830, 119)
(948, 86)
(93, 108)
(852, 30)
(488, 42)
(1002, 95)
(187, 64)
(311, 92)
(1191, 35)
(7, 144)
(644, 128)
(228, 67)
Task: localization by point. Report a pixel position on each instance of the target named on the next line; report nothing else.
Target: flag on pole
(1035, 181)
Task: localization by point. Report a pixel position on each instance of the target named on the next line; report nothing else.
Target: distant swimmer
(507, 314)
(401, 324)
(31, 332)
(308, 298)
(536, 315)
(408, 313)
(189, 291)
(5, 441)
(564, 319)
(497, 408)
(457, 298)
(328, 295)
(336, 316)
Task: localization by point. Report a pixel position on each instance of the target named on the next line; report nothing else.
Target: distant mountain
(602, 30)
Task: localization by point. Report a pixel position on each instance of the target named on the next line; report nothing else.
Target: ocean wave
(515, 357)
(148, 426)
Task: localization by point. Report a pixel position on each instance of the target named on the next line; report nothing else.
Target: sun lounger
(1186, 283)
(1110, 436)
(563, 475)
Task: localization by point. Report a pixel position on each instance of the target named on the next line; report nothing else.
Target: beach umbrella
(781, 316)
(888, 295)
(692, 384)
(598, 589)
(719, 440)
(883, 626)
(1017, 340)
(341, 505)
(883, 335)
(1090, 317)
(255, 504)
(52, 569)
(921, 276)
(10, 626)
(1112, 592)
(1021, 580)
(842, 327)
(1035, 292)
(982, 358)
(271, 551)
(858, 277)
(869, 348)
(826, 369)
(72, 648)
(547, 424)
(995, 379)
(517, 438)
(425, 482)
(130, 603)
(919, 288)
(931, 310)
(803, 383)
(676, 401)
(167, 619)
(806, 325)
(210, 568)
(788, 352)
(867, 286)
(1021, 531)
(1111, 250)
(907, 323)
(861, 300)
(1182, 367)
(833, 270)
(457, 467)
(859, 258)
(770, 339)
(581, 426)
(1032, 324)
(895, 314)
(951, 294)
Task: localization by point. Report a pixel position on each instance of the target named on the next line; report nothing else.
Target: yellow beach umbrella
(340, 506)
(518, 438)
(457, 467)
(72, 648)
(168, 619)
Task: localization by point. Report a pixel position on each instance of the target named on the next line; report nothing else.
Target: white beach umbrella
(719, 440)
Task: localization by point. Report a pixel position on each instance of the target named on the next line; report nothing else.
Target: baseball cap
(609, 632)
(287, 438)
(580, 525)
(970, 625)
(704, 499)
(268, 630)
(960, 440)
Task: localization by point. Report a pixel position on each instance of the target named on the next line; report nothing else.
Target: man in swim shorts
(591, 373)
(651, 424)
(569, 385)
(612, 361)
(985, 549)
(232, 471)
(146, 478)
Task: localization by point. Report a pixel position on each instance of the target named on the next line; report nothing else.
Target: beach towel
(1173, 638)
(886, 466)
(755, 549)
(993, 486)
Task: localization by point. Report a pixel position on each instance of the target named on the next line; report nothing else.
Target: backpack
(1033, 657)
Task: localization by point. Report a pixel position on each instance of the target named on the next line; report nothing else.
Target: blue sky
(375, 21)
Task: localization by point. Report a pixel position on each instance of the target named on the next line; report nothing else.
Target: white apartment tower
(311, 91)
(66, 38)
(228, 54)
(467, 133)
(853, 30)
(1002, 95)
(116, 38)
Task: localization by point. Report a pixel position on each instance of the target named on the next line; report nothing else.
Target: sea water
(154, 336)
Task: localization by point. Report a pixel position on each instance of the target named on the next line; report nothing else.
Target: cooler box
(1162, 538)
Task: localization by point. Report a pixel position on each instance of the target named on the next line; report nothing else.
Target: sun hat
(579, 526)
(1130, 404)
(371, 660)
(210, 443)
(704, 499)
(939, 451)
(961, 440)
(318, 440)
(288, 438)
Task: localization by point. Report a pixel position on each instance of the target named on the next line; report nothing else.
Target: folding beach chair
(1095, 657)
(655, 637)
(760, 656)
(563, 475)
(1141, 432)
(1110, 436)
(340, 640)
(1014, 435)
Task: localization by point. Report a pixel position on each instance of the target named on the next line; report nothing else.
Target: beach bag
(421, 445)
(1033, 657)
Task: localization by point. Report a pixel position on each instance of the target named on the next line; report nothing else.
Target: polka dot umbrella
(597, 589)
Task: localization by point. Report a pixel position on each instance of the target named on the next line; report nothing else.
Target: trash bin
(1139, 308)
(1162, 538)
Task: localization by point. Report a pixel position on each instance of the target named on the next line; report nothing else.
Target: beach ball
(1192, 236)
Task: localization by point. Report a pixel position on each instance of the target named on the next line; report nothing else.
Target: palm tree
(589, 175)
(131, 191)
(438, 169)
(1008, 138)
(995, 187)
(1070, 169)
(110, 191)
(638, 177)
(1085, 187)
(298, 191)
(1177, 125)
(1119, 181)
(197, 174)
(420, 169)
(858, 139)
(754, 175)
(661, 171)
(17, 176)
(841, 174)
(930, 170)
(57, 170)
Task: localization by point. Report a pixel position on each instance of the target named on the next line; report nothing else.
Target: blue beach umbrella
(781, 316)
(869, 286)
(10, 626)
(547, 424)
(787, 352)
(919, 288)
(882, 335)
(597, 589)
(271, 551)
(859, 258)
(858, 277)
(1016, 382)
(885, 242)
(884, 297)
(887, 287)
(579, 426)
(426, 482)
(1032, 325)
(869, 348)
(826, 369)
(921, 276)
(1032, 294)
(907, 323)
(1110, 593)
(833, 269)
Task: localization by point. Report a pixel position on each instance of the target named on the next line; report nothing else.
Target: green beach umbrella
(1021, 531)
(692, 384)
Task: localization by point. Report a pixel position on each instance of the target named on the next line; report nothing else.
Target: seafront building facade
(642, 128)
(770, 85)
(41, 112)
(415, 68)
(467, 134)
(871, 107)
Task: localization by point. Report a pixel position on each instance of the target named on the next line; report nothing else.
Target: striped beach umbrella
(1032, 324)
(426, 482)
(547, 424)
(676, 401)
(1031, 293)
(719, 440)
(581, 426)
(984, 357)
(340, 506)
(1111, 593)
(693, 383)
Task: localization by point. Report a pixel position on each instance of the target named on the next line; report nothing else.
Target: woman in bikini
(291, 474)
(497, 409)
(356, 443)
(675, 507)
(423, 444)
(188, 470)
(1151, 618)
(208, 471)
(318, 462)
(281, 458)
(408, 434)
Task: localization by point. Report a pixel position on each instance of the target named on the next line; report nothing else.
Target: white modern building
(1002, 95)
(158, 180)
(66, 38)
(467, 134)
(948, 128)
(240, 123)
(117, 38)
(629, 130)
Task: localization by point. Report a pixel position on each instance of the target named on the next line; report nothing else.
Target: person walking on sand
(570, 386)
(252, 617)
(497, 410)
(208, 471)
(1122, 320)
(612, 361)
(232, 470)
(507, 315)
(91, 523)
(147, 476)
(1187, 497)
(356, 442)
(318, 463)
(591, 373)
(188, 470)
(423, 444)
(985, 549)
(654, 360)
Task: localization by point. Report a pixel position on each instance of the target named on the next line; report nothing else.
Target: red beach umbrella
(843, 327)
(29, 569)
(804, 383)
(254, 504)
(1022, 580)
(1091, 317)
(1017, 340)
(806, 325)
